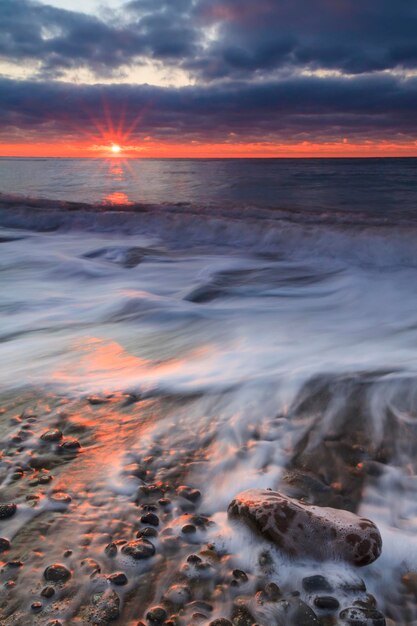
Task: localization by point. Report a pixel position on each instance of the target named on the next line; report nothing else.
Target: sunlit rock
(305, 530)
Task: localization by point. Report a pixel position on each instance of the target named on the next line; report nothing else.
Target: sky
(209, 78)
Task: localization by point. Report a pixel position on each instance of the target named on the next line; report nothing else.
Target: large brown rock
(305, 530)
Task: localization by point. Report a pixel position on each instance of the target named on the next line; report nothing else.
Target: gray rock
(301, 529)
(356, 616)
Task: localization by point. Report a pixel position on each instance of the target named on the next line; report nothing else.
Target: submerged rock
(354, 616)
(301, 529)
(57, 573)
(7, 510)
(139, 549)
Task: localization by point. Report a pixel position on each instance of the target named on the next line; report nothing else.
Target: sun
(115, 148)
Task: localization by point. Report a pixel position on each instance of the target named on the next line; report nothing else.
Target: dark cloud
(59, 39)
(216, 39)
(287, 110)
(249, 59)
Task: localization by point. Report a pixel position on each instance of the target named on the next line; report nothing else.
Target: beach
(177, 332)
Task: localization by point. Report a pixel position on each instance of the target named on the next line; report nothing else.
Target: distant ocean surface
(377, 186)
(231, 324)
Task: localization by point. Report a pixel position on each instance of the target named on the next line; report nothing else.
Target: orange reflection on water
(117, 198)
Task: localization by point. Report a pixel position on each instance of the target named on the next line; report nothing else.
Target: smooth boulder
(304, 530)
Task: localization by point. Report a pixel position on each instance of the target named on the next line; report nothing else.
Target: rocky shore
(144, 551)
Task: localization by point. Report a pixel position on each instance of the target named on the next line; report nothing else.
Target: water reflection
(117, 171)
(116, 198)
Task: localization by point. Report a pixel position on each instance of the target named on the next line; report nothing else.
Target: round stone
(139, 549)
(188, 529)
(316, 583)
(60, 497)
(327, 603)
(47, 592)
(221, 621)
(150, 518)
(70, 445)
(4, 544)
(57, 573)
(356, 616)
(7, 510)
(52, 435)
(36, 606)
(156, 615)
(118, 578)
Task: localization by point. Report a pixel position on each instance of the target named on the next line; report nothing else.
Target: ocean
(221, 325)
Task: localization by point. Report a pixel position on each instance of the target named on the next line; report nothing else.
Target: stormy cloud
(277, 68)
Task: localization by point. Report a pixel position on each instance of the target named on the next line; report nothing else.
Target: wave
(344, 236)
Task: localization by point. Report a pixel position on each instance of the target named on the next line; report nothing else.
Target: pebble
(327, 603)
(52, 435)
(355, 616)
(150, 518)
(47, 592)
(36, 606)
(7, 510)
(60, 497)
(111, 550)
(311, 531)
(57, 573)
(70, 445)
(156, 615)
(316, 583)
(188, 529)
(4, 544)
(118, 578)
(189, 493)
(139, 549)
(221, 621)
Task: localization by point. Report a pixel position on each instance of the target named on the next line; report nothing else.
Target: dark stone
(150, 518)
(7, 511)
(118, 578)
(156, 615)
(57, 573)
(273, 592)
(52, 435)
(189, 493)
(188, 529)
(356, 616)
(139, 549)
(327, 603)
(111, 549)
(70, 445)
(4, 544)
(316, 583)
(239, 575)
(221, 621)
(90, 566)
(47, 592)
(36, 606)
(241, 616)
(194, 559)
